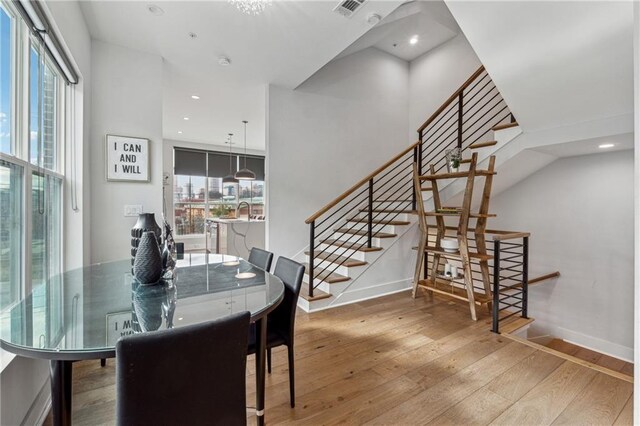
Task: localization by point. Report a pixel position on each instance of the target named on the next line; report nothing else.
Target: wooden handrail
(451, 98)
(509, 235)
(358, 185)
(545, 277)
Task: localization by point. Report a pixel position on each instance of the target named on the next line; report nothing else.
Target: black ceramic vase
(146, 222)
(147, 265)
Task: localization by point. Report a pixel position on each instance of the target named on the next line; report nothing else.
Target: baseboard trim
(351, 297)
(595, 344)
(40, 408)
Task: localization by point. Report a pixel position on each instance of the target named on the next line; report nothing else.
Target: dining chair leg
(269, 360)
(292, 386)
(103, 362)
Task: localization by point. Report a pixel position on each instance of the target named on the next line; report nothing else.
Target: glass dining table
(81, 314)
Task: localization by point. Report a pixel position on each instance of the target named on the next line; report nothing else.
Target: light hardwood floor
(396, 360)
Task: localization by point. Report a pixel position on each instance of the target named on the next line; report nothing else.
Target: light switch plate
(132, 210)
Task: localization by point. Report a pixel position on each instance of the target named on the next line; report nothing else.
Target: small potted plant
(454, 156)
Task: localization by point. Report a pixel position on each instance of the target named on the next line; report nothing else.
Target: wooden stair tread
(374, 235)
(474, 215)
(334, 258)
(457, 255)
(454, 292)
(504, 126)
(455, 175)
(350, 245)
(317, 293)
(389, 211)
(482, 144)
(381, 222)
(326, 275)
(513, 324)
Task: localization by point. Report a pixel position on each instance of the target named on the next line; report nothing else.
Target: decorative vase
(147, 265)
(454, 156)
(146, 222)
(148, 306)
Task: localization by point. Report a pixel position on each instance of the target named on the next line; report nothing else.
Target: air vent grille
(347, 8)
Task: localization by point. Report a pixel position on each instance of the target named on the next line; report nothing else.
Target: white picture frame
(118, 324)
(127, 159)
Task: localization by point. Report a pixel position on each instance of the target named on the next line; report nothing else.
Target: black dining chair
(261, 258)
(192, 375)
(280, 322)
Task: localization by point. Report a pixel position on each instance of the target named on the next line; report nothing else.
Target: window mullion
(28, 228)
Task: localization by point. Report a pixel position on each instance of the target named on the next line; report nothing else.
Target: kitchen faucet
(248, 210)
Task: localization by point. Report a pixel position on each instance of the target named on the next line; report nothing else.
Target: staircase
(353, 238)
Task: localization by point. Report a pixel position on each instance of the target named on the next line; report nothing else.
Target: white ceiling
(283, 46)
(555, 63)
(430, 21)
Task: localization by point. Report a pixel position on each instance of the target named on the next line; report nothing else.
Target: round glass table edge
(110, 352)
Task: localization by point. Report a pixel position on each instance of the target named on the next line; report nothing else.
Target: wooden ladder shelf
(465, 255)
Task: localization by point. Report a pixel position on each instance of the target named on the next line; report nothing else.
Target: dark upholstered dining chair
(261, 258)
(192, 375)
(280, 322)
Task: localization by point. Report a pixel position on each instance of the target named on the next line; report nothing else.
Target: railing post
(312, 237)
(413, 183)
(525, 277)
(370, 215)
(460, 119)
(496, 287)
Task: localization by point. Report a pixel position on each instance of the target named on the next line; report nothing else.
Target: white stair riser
(321, 285)
(381, 217)
(342, 251)
(377, 227)
(391, 205)
(320, 265)
(357, 239)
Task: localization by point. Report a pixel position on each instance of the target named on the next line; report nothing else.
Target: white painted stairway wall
(390, 267)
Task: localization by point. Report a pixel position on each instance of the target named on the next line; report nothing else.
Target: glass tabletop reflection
(87, 310)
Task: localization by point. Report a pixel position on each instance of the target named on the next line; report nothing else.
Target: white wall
(340, 125)
(579, 211)
(434, 76)
(127, 101)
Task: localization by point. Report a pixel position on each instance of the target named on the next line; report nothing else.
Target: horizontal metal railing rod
(452, 98)
(359, 184)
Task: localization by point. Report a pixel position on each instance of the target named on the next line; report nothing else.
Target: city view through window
(196, 198)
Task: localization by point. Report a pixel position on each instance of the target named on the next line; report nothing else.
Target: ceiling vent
(347, 8)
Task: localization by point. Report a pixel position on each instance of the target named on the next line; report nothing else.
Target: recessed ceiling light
(154, 9)
(224, 61)
(195, 97)
(606, 145)
(186, 119)
(179, 132)
(413, 40)
(193, 35)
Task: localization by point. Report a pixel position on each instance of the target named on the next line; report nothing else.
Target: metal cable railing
(354, 219)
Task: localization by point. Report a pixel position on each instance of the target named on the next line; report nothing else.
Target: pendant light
(245, 174)
(230, 178)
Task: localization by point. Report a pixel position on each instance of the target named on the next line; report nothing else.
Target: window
(11, 230)
(199, 192)
(6, 80)
(42, 111)
(31, 181)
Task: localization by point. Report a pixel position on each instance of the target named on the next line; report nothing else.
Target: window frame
(209, 204)
(20, 141)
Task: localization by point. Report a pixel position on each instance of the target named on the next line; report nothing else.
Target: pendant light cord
(245, 143)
